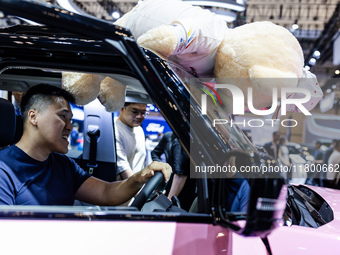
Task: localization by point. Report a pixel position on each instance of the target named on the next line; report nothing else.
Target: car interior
(98, 156)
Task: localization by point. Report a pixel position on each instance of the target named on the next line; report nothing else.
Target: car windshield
(219, 115)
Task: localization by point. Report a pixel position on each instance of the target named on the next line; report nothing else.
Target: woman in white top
(283, 156)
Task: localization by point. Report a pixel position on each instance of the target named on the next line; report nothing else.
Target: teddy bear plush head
(87, 87)
(261, 56)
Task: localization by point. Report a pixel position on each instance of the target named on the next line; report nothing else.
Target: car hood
(332, 197)
(306, 240)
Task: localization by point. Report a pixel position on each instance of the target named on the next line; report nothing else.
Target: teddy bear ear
(84, 87)
(264, 79)
(112, 94)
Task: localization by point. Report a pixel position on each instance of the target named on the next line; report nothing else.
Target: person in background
(130, 139)
(325, 156)
(159, 137)
(164, 147)
(273, 147)
(171, 156)
(35, 170)
(328, 152)
(74, 136)
(18, 125)
(332, 175)
(318, 153)
(182, 186)
(238, 191)
(283, 157)
(316, 178)
(17, 101)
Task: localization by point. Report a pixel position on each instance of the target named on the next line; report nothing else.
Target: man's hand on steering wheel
(152, 175)
(144, 175)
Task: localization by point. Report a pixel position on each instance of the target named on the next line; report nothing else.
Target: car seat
(8, 125)
(99, 155)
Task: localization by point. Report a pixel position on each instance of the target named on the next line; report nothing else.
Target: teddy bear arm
(112, 94)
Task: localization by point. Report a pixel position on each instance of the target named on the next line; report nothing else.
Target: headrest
(7, 118)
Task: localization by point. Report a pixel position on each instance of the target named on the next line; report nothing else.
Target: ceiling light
(317, 54)
(312, 61)
(115, 15)
(295, 26)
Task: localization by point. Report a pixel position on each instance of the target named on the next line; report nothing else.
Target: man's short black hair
(282, 139)
(42, 95)
(276, 133)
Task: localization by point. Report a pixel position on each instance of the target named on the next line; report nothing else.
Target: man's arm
(319, 158)
(177, 185)
(7, 193)
(180, 167)
(95, 191)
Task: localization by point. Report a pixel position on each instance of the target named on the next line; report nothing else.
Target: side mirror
(266, 206)
(265, 197)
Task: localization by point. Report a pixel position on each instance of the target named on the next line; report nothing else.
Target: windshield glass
(215, 109)
(219, 148)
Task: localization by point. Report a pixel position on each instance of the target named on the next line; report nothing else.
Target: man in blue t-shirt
(35, 172)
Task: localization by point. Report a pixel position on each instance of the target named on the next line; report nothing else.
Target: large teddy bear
(260, 55)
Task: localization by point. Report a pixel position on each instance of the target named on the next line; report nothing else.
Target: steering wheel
(150, 186)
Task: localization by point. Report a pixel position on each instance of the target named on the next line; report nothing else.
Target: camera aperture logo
(238, 102)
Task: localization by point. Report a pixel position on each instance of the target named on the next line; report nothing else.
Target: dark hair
(337, 143)
(40, 96)
(282, 140)
(75, 124)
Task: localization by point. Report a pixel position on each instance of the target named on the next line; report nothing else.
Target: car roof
(25, 46)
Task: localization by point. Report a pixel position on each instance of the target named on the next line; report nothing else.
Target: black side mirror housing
(266, 206)
(267, 197)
